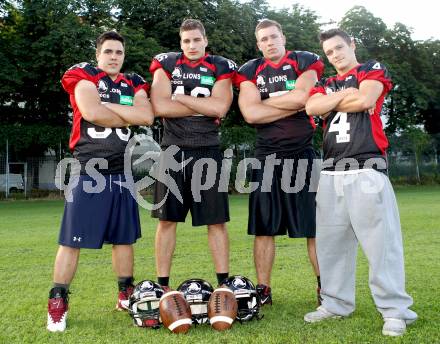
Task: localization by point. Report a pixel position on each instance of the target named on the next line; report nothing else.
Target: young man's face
(340, 54)
(110, 57)
(271, 43)
(193, 44)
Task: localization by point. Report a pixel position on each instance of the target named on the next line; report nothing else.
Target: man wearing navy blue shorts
(100, 209)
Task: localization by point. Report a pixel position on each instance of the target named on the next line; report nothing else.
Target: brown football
(222, 309)
(175, 312)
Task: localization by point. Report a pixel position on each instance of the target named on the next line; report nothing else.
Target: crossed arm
(112, 115)
(256, 111)
(216, 105)
(349, 100)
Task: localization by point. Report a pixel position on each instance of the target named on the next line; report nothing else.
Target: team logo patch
(126, 100)
(177, 73)
(290, 84)
(194, 288)
(147, 285)
(260, 81)
(239, 283)
(102, 86)
(203, 69)
(207, 80)
(286, 67)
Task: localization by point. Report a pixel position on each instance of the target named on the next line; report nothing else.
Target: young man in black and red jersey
(192, 92)
(355, 200)
(104, 103)
(273, 93)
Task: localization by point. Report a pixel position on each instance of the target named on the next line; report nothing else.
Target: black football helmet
(143, 304)
(246, 295)
(197, 292)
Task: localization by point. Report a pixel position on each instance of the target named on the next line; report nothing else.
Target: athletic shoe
(320, 314)
(395, 327)
(265, 294)
(318, 296)
(57, 307)
(123, 298)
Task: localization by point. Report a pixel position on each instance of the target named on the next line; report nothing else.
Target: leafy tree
(410, 64)
(40, 39)
(368, 31)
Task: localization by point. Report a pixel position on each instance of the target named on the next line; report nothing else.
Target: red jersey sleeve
(82, 71)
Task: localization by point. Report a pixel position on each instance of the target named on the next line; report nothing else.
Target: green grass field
(28, 243)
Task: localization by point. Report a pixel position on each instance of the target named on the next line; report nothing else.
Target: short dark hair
(325, 35)
(265, 23)
(109, 35)
(192, 24)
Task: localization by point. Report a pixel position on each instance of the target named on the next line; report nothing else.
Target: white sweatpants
(362, 208)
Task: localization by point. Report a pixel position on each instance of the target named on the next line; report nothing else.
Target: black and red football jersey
(88, 140)
(291, 134)
(195, 79)
(359, 135)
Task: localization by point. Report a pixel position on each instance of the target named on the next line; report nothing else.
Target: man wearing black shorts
(273, 92)
(101, 210)
(191, 91)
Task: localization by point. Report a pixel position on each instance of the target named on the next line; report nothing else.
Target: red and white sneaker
(57, 307)
(123, 298)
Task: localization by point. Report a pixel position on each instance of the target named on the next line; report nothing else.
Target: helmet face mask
(144, 304)
(197, 293)
(246, 295)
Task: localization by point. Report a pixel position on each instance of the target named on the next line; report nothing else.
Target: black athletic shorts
(197, 183)
(272, 210)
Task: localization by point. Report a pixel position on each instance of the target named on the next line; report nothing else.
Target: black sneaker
(57, 307)
(265, 294)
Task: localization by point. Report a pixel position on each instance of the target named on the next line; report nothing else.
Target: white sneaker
(320, 314)
(395, 327)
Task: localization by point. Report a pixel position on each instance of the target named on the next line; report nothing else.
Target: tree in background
(40, 39)
(413, 66)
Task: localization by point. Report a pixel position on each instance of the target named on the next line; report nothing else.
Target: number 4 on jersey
(340, 125)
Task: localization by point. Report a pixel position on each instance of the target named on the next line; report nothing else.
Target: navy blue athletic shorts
(277, 212)
(92, 219)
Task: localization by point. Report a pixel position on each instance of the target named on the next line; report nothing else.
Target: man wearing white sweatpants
(360, 208)
(355, 200)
